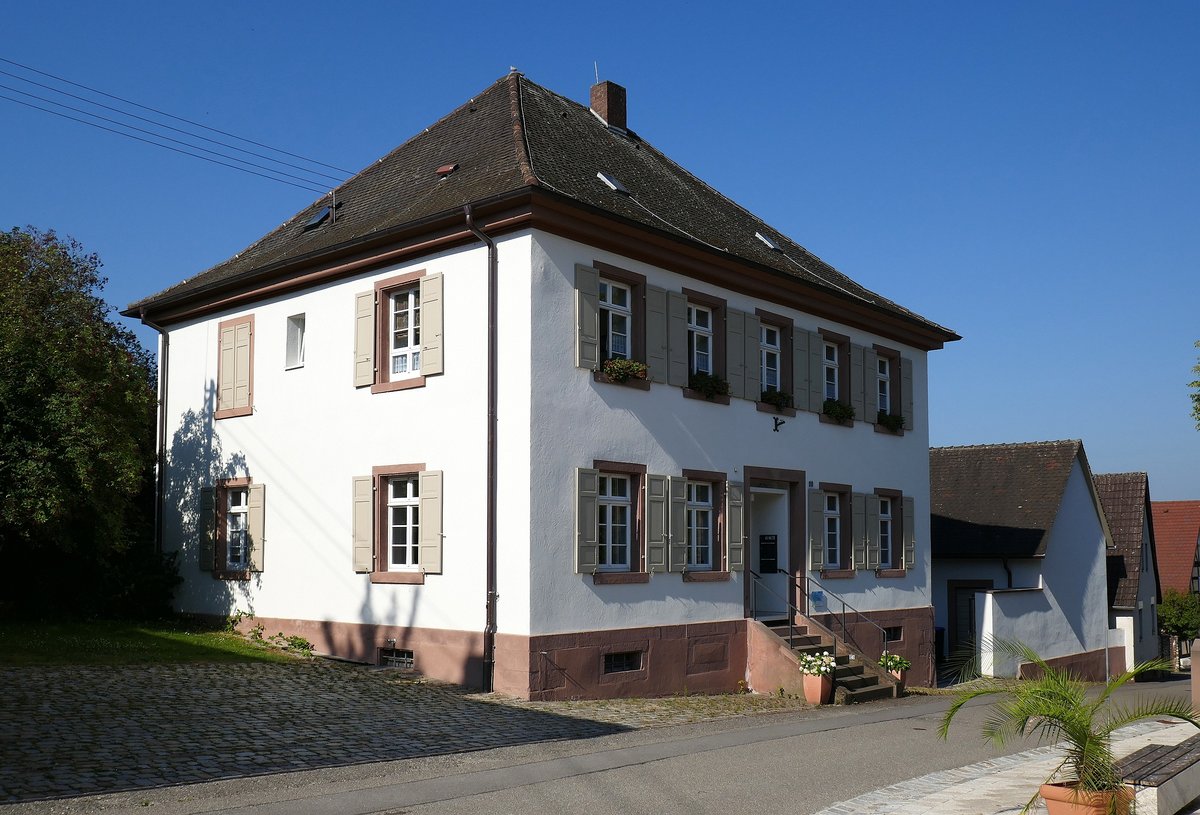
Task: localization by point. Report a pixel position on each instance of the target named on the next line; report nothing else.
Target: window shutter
(816, 372)
(816, 530)
(753, 357)
(243, 382)
(364, 339)
(587, 520)
(855, 386)
(735, 355)
(872, 531)
(432, 320)
(678, 524)
(226, 367)
(587, 317)
(909, 520)
(256, 525)
(207, 524)
(677, 368)
(858, 528)
(430, 534)
(800, 365)
(735, 527)
(657, 537)
(906, 391)
(656, 333)
(870, 385)
(364, 525)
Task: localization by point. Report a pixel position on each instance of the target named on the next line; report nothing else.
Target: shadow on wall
(195, 461)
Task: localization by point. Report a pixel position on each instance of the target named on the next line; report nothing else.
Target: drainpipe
(489, 630)
(160, 454)
(1007, 570)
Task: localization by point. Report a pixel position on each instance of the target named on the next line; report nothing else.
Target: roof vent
(608, 102)
(446, 169)
(774, 247)
(318, 219)
(612, 183)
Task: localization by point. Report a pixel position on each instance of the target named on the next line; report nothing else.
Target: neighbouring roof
(1125, 497)
(1176, 531)
(517, 135)
(997, 500)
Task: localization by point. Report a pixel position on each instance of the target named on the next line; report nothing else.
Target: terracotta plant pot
(818, 690)
(1061, 799)
(901, 677)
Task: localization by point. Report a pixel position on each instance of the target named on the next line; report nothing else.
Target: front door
(962, 622)
(769, 552)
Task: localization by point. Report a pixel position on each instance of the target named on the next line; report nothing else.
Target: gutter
(489, 630)
(160, 453)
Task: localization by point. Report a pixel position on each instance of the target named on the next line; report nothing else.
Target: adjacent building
(1133, 594)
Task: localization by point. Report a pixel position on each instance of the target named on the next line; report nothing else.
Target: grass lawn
(103, 642)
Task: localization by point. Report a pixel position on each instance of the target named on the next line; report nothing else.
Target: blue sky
(1024, 173)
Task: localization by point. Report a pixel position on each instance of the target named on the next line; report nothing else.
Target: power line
(176, 118)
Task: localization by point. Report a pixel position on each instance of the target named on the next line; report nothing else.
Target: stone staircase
(853, 680)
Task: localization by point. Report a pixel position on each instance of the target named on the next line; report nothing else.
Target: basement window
(894, 633)
(622, 662)
(397, 658)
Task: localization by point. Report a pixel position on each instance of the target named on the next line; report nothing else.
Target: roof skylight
(612, 183)
(318, 219)
(774, 247)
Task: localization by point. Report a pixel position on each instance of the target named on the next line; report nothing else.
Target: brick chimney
(608, 102)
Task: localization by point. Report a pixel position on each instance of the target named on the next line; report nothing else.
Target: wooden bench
(1169, 776)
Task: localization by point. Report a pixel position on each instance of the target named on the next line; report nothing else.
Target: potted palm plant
(1055, 706)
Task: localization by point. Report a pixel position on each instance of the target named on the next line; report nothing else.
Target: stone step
(858, 682)
(845, 670)
(868, 694)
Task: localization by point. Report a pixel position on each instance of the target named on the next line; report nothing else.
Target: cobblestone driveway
(84, 730)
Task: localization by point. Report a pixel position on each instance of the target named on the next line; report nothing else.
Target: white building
(387, 425)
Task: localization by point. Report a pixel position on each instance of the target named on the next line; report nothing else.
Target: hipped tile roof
(517, 135)
(1124, 497)
(1176, 531)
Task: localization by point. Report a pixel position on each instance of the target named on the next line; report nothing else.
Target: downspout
(160, 454)
(489, 630)
(1007, 570)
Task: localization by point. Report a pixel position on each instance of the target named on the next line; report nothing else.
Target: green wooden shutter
(226, 367)
(753, 357)
(909, 519)
(363, 550)
(816, 372)
(735, 526)
(657, 529)
(656, 333)
(854, 388)
(432, 320)
(207, 525)
(816, 530)
(587, 520)
(800, 366)
(256, 525)
(906, 391)
(735, 352)
(858, 529)
(587, 317)
(430, 532)
(677, 514)
(677, 337)
(870, 385)
(364, 339)
(872, 531)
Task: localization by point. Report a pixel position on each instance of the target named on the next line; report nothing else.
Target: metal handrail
(792, 610)
(809, 581)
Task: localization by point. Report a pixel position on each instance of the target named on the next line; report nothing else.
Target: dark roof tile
(1124, 497)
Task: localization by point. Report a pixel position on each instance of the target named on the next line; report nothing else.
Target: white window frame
(609, 311)
(883, 384)
(699, 334)
(701, 520)
(237, 528)
(887, 532)
(770, 357)
(410, 502)
(832, 370)
(407, 355)
(831, 529)
(608, 506)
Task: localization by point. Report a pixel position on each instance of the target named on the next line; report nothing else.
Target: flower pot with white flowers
(818, 676)
(897, 666)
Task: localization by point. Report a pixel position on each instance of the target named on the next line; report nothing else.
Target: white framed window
(833, 530)
(769, 354)
(699, 525)
(295, 342)
(616, 317)
(405, 341)
(237, 516)
(403, 523)
(700, 339)
(615, 515)
(886, 528)
(832, 370)
(883, 380)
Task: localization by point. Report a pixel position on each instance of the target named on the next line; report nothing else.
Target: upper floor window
(700, 339)
(769, 356)
(616, 316)
(295, 341)
(398, 328)
(615, 507)
(699, 525)
(883, 384)
(833, 530)
(404, 524)
(237, 515)
(405, 310)
(886, 529)
(832, 370)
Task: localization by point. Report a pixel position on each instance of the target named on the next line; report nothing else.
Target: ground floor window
(404, 522)
(699, 525)
(614, 518)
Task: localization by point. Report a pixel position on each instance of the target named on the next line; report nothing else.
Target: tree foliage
(76, 416)
(1195, 386)
(1179, 614)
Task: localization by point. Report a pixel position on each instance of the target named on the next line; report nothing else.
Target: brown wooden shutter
(677, 512)
(816, 372)
(816, 530)
(909, 520)
(364, 339)
(363, 519)
(432, 321)
(207, 526)
(735, 352)
(855, 385)
(657, 529)
(800, 369)
(870, 386)
(587, 317)
(226, 367)
(735, 527)
(872, 532)
(753, 357)
(858, 528)
(587, 520)
(430, 531)
(906, 391)
(656, 333)
(256, 525)
(677, 337)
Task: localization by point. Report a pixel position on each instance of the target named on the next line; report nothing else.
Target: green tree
(76, 422)
(1195, 386)
(1179, 615)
